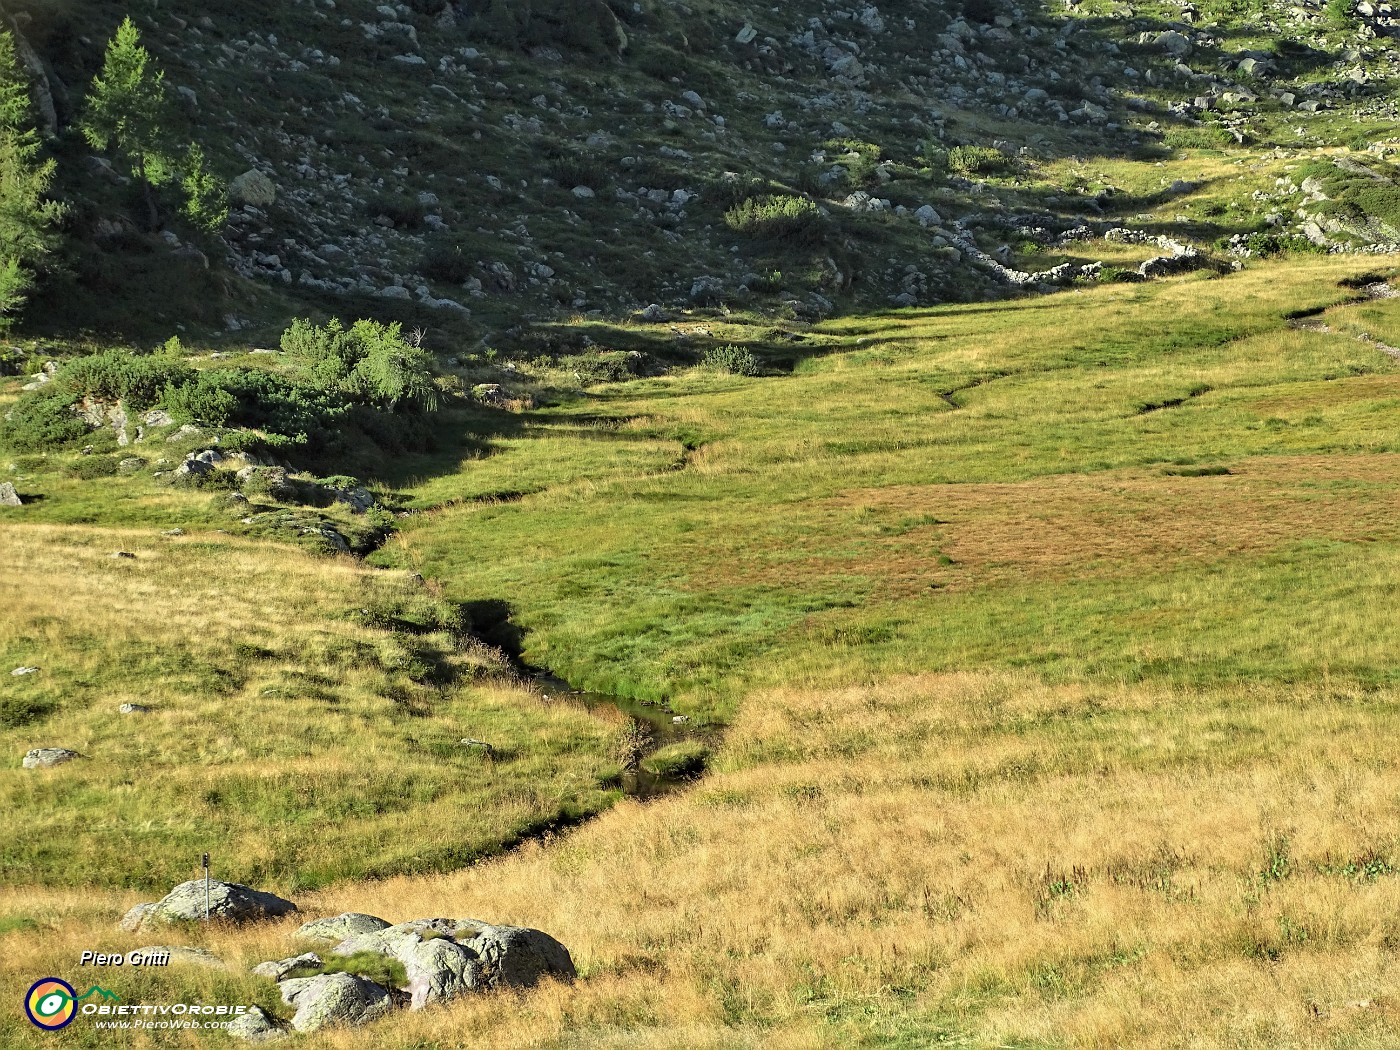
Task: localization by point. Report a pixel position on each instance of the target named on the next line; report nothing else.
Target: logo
(52, 1004)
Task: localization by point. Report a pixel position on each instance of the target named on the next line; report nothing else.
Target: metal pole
(206, 887)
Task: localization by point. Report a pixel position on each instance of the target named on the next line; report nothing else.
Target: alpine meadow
(648, 525)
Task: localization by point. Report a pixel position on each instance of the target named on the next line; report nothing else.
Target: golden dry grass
(288, 733)
(976, 857)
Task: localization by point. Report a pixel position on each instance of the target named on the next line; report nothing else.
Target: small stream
(651, 726)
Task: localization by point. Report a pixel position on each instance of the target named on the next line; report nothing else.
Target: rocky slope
(469, 165)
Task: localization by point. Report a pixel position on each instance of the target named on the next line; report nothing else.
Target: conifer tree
(127, 112)
(27, 218)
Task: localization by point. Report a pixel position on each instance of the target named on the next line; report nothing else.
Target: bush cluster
(778, 218)
(366, 380)
(139, 382)
(977, 160)
(368, 362)
(734, 360)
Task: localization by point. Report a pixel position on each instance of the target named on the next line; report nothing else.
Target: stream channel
(648, 727)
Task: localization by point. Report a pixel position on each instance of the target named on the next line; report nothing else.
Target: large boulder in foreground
(228, 901)
(517, 957)
(334, 999)
(257, 1026)
(447, 957)
(339, 927)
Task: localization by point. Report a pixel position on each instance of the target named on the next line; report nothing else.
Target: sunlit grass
(1051, 635)
(284, 735)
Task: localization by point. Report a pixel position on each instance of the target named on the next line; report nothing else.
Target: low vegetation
(1057, 705)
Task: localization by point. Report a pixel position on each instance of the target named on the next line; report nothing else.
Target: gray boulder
(499, 956)
(928, 216)
(1173, 43)
(334, 999)
(358, 500)
(132, 920)
(339, 927)
(253, 187)
(389, 939)
(1167, 265)
(48, 757)
(517, 957)
(227, 901)
(8, 496)
(279, 968)
(257, 1026)
(439, 970)
(193, 466)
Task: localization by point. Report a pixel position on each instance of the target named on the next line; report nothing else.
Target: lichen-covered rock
(48, 757)
(257, 1026)
(8, 496)
(132, 920)
(334, 999)
(227, 901)
(492, 956)
(439, 970)
(517, 957)
(279, 968)
(339, 927)
(253, 187)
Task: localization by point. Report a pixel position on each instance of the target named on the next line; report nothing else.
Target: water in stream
(651, 727)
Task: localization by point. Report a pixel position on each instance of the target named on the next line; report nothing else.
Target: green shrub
(1118, 275)
(779, 218)
(1270, 245)
(860, 159)
(1338, 12)
(448, 264)
(368, 362)
(732, 189)
(773, 282)
(600, 366)
(138, 382)
(89, 467)
(734, 360)
(204, 402)
(277, 405)
(977, 160)
(42, 420)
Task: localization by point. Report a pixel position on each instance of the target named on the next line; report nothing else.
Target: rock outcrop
(337, 928)
(228, 901)
(334, 999)
(48, 757)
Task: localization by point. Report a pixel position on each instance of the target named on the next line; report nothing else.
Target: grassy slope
(1036, 741)
(972, 486)
(290, 734)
